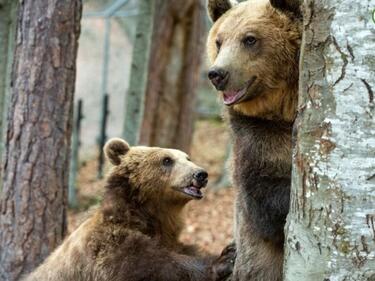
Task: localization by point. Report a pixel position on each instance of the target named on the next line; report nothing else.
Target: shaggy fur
(134, 235)
(261, 124)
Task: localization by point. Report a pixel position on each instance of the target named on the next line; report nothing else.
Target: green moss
(370, 61)
(340, 230)
(344, 247)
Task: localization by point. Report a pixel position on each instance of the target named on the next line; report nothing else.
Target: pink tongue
(230, 96)
(193, 191)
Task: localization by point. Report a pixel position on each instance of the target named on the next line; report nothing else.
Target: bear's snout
(219, 78)
(201, 178)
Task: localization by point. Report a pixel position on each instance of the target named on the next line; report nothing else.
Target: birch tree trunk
(33, 200)
(330, 233)
(173, 73)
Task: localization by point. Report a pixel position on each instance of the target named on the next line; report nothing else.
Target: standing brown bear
(254, 50)
(134, 235)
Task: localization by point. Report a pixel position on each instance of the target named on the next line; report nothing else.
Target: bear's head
(253, 47)
(153, 173)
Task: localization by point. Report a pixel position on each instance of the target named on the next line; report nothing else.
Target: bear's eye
(249, 41)
(218, 44)
(167, 161)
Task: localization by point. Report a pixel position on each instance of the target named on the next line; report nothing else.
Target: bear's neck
(261, 146)
(168, 222)
(159, 220)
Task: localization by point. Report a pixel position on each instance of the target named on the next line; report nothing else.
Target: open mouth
(232, 97)
(193, 191)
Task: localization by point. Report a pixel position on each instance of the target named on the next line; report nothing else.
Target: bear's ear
(216, 8)
(290, 7)
(114, 149)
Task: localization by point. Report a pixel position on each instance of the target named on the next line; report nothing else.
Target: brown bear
(254, 50)
(134, 235)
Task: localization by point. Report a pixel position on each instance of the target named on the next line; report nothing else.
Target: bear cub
(134, 235)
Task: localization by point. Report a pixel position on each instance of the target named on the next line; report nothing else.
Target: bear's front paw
(222, 267)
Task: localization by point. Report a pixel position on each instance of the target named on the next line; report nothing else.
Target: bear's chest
(260, 147)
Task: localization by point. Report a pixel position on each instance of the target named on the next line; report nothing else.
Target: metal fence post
(74, 160)
(103, 135)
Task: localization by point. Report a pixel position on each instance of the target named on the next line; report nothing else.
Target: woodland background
(209, 221)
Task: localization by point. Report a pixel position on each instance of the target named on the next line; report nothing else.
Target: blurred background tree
(173, 76)
(179, 33)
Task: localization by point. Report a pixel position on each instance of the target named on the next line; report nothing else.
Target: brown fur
(134, 235)
(261, 171)
(261, 123)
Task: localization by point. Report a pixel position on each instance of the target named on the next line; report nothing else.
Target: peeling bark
(330, 230)
(36, 156)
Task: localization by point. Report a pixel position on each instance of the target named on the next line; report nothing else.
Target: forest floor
(209, 222)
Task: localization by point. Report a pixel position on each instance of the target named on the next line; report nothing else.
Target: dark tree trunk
(36, 156)
(175, 57)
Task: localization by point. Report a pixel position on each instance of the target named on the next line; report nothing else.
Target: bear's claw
(222, 267)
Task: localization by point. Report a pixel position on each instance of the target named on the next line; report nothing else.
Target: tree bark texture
(330, 233)
(7, 28)
(36, 157)
(175, 57)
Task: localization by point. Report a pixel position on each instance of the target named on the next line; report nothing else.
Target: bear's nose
(219, 78)
(201, 176)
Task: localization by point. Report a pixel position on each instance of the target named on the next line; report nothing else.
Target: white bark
(330, 233)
